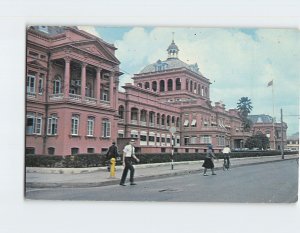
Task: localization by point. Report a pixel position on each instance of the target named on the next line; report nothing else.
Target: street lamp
(172, 131)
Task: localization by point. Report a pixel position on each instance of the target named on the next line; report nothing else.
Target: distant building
(73, 104)
(264, 124)
(293, 142)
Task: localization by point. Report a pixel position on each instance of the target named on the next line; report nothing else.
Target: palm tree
(245, 106)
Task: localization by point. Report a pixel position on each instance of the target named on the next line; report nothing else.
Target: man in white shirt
(128, 155)
(226, 152)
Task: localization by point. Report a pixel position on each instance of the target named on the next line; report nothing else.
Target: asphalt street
(274, 182)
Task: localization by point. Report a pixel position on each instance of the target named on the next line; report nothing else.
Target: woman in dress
(208, 161)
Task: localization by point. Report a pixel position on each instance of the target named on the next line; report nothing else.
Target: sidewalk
(99, 176)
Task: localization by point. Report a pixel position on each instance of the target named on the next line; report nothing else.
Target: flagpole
(273, 116)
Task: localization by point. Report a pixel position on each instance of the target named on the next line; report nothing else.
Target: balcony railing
(143, 123)
(90, 100)
(31, 95)
(57, 96)
(134, 122)
(75, 97)
(151, 124)
(105, 102)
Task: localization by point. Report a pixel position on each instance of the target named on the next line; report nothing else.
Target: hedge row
(98, 160)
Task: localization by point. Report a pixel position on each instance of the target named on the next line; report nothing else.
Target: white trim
(194, 121)
(186, 123)
(144, 133)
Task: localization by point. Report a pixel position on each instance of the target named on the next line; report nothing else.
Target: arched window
(121, 111)
(134, 114)
(173, 120)
(163, 119)
(178, 84)
(170, 85)
(143, 116)
(177, 122)
(191, 86)
(57, 85)
(199, 89)
(154, 86)
(195, 88)
(158, 119)
(161, 85)
(168, 120)
(147, 85)
(187, 84)
(202, 91)
(151, 118)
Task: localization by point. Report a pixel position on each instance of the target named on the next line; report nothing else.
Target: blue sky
(238, 61)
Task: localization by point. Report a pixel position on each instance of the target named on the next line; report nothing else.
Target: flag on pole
(270, 83)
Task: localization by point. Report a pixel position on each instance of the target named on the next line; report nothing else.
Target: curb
(115, 181)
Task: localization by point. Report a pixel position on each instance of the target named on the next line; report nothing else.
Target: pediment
(96, 48)
(33, 62)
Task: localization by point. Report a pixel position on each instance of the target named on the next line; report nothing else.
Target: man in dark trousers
(128, 156)
(112, 153)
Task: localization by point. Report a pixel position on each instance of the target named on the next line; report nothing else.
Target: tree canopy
(245, 106)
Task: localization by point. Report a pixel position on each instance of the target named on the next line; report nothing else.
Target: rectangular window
(29, 150)
(163, 140)
(157, 139)
(105, 129)
(38, 125)
(30, 124)
(105, 95)
(143, 138)
(90, 150)
(193, 140)
(40, 86)
(186, 123)
(52, 125)
(151, 139)
(205, 139)
(90, 126)
(168, 140)
(30, 84)
(33, 124)
(75, 124)
(186, 141)
(194, 123)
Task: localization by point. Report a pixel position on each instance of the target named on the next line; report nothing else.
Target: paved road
(275, 182)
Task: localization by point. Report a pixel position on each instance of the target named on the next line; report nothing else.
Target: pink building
(73, 104)
(71, 88)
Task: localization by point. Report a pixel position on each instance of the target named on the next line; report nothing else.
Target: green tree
(245, 106)
(260, 141)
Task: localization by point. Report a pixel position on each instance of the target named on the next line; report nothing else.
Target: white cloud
(237, 63)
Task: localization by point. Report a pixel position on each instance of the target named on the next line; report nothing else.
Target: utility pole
(282, 154)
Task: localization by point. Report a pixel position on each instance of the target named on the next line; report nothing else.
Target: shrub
(97, 160)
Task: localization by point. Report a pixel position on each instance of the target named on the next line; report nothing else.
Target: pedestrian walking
(128, 156)
(208, 161)
(112, 153)
(226, 150)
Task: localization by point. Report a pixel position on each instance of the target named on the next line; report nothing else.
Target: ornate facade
(73, 104)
